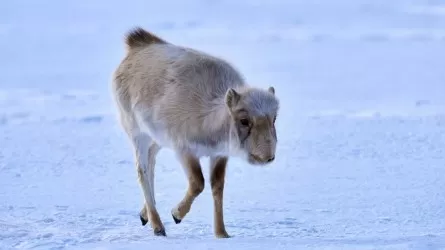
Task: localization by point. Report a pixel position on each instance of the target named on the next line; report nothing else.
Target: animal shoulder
(199, 67)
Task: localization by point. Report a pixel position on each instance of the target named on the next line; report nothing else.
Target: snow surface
(361, 154)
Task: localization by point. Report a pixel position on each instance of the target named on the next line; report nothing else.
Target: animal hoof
(223, 235)
(160, 232)
(177, 221)
(143, 220)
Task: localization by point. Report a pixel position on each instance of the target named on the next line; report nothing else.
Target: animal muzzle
(263, 156)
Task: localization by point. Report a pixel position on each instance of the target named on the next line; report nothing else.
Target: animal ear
(271, 90)
(232, 98)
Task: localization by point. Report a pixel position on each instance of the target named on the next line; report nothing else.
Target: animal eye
(244, 122)
(274, 119)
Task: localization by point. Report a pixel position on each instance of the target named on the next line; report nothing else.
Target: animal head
(253, 113)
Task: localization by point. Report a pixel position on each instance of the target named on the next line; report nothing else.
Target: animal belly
(156, 131)
(160, 134)
(202, 150)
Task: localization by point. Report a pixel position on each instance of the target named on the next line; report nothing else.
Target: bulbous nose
(271, 159)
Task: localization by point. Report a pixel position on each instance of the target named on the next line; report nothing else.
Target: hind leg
(152, 152)
(145, 153)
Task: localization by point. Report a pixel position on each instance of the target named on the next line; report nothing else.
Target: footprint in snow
(92, 119)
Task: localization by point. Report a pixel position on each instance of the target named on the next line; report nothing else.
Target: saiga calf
(197, 105)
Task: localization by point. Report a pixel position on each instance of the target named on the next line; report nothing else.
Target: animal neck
(233, 142)
(220, 128)
(230, 139)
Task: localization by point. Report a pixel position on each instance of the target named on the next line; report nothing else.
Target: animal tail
(138, 37)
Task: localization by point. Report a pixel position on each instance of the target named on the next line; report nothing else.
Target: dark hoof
(177, 221)
(143, 220)
(160, 232)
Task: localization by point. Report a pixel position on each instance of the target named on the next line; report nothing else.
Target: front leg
(192, 168)
(217, 177)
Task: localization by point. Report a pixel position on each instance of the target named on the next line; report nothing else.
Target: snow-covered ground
(361, 155)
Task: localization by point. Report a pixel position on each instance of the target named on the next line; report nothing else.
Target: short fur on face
(253, 112)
